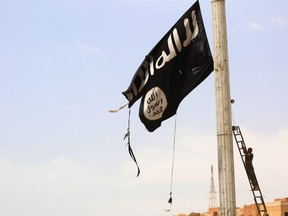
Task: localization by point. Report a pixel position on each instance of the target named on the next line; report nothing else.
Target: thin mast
(223, 111)
(212, 195)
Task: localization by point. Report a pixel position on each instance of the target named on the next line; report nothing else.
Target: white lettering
(151, 65)
(189, 35)
(129, 95)
(177, 40)
(134, 89)
(148, 67)
(144, 78)
(164, 57)
(155, 103)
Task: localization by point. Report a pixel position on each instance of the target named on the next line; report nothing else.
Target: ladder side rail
(260, 197)
(260, 205)
(259, 201)
(263, 203)
(257, 206)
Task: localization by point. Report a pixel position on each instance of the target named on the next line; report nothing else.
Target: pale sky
(64, 63)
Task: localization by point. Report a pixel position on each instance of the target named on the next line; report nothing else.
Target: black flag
(178, 63)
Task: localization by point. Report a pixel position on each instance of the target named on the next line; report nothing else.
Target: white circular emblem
(155, 103)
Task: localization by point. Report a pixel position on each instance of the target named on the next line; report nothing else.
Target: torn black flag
(178, 63)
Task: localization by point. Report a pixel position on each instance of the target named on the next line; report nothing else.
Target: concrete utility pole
(223, 111)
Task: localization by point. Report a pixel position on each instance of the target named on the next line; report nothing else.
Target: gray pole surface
(223, 111)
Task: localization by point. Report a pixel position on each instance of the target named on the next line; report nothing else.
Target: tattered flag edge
(127, 135)
(118, 109)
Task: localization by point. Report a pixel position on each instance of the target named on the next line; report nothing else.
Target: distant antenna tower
(212, 195)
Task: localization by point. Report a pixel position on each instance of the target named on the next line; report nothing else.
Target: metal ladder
(258, 198)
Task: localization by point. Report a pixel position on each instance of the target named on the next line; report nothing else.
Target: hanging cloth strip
(116, 110)
(127, 135)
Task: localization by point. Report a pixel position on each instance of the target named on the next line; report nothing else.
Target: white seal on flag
(155, 103)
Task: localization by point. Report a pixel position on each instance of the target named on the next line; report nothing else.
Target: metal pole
(223, 111)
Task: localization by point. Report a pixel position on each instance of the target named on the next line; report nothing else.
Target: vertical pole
(223, 111)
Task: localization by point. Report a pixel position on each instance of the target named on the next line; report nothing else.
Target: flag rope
(232, 115)
(173, 162)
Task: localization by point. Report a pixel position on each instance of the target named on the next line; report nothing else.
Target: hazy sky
(64, 63)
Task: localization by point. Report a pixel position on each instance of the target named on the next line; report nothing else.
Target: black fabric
(133, 158)
(178, 63)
